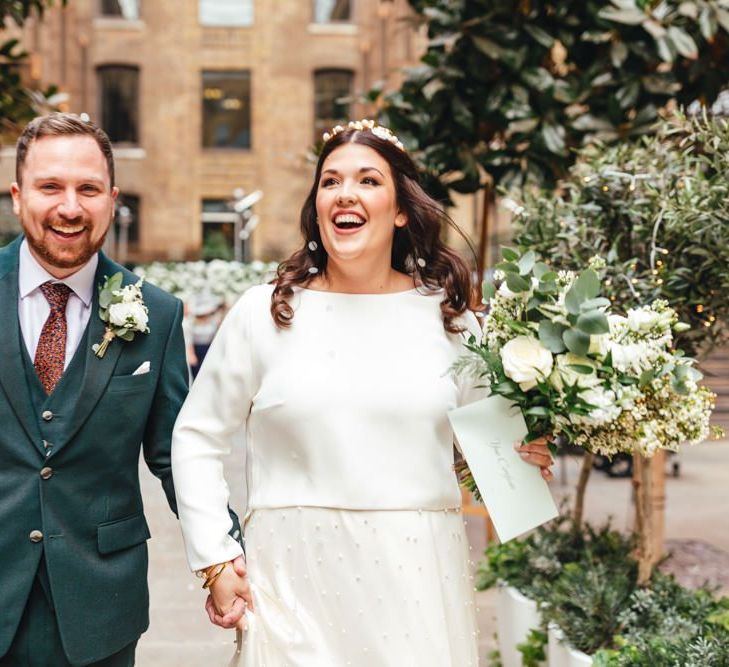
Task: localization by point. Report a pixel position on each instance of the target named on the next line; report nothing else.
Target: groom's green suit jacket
(69, 482)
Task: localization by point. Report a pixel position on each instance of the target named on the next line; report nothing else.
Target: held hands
(230, 596)
(537, 453)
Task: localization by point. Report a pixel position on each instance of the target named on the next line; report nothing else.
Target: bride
(338, 374)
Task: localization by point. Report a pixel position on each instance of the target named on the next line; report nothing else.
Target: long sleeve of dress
(216, 408)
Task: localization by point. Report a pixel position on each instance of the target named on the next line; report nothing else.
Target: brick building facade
(203, 97)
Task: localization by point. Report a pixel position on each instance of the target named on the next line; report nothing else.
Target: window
(218, 230)
(332, 11)
(128, 9)
(119, 102)
(226, 109)
(226, 13)
(9, 224)
(332, 98)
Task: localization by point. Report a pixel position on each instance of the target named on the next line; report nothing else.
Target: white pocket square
(144, 368)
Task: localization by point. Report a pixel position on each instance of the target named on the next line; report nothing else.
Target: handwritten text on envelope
(517, 497)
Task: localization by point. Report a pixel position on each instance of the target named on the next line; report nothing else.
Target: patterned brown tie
(50, 355)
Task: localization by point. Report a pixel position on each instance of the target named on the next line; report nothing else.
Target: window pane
(118, 90)
(226, 12)
(332, 91)
(226, 110)
(328, 11)
(9, 224)
(218, 238)
(129, 9)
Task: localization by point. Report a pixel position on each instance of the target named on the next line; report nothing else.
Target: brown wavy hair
(417, 248)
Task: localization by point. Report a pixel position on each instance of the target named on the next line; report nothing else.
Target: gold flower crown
(365, 124)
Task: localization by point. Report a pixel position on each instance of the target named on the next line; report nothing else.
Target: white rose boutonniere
(123, 310)
(526, 361)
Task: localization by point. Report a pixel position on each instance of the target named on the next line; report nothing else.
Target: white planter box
(561, 654)
(517, 615)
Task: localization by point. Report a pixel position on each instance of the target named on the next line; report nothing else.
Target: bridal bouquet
(603, 381)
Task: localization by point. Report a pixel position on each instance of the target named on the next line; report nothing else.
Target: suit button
(47, 415)
(46, 473)
(35, 536)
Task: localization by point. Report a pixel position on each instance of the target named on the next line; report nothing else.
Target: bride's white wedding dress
(355, 545)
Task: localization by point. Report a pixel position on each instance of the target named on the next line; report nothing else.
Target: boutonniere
(123, 310)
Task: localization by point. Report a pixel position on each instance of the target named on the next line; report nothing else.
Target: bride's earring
(313, 246)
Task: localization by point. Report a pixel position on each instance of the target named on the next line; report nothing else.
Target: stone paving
(697, 506)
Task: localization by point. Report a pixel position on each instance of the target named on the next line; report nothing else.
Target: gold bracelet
(211, 577)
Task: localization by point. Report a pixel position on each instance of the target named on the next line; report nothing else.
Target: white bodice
(347, 408)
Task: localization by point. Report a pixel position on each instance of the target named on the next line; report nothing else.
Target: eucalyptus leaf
(550, 335)
(517, 283)
(576, 341)
(507, 267)
(488, 290)
(526, 262)
(593, 322)
(541, 269)
(509, 254)
(588, 284)
(573, 300)
(598, 302)
(105, 298)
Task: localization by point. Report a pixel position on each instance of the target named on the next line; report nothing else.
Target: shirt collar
(32, 275)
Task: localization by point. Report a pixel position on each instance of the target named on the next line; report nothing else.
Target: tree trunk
(585, 471)
(649, 496)
(485, 233)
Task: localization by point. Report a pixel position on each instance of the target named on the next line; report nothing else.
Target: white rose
(642, 320)
(563, 376)
(129, 315)
(526, 361)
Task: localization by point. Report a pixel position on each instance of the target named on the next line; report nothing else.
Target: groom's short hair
(61, 124)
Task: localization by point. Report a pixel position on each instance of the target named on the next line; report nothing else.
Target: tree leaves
(495, 78)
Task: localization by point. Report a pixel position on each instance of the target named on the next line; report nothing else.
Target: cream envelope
(517, 497)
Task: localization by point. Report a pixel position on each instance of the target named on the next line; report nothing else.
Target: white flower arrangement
(123, 310)
(605, 382)
(219, 278)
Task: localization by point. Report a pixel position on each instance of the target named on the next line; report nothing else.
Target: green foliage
(534, 563)
(658, 211)
(586, 599)
(586, 582)
(667, 625)
(512, 88)
(16, 105)
(533, 649)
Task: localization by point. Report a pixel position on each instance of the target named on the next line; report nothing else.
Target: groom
(73, 554)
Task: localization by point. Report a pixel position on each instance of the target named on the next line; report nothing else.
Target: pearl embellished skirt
(362, 588)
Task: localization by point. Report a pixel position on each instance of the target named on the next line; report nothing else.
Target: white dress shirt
(33, 309)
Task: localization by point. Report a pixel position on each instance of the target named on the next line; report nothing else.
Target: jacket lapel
(12, 371)
(97, 371)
